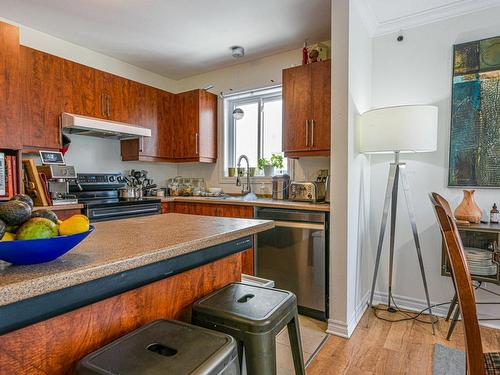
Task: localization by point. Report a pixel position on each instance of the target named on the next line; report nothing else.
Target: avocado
(12, 228)
(3, 228)
(48, 214)
(23, 198)
(15, 212)
(37, 228)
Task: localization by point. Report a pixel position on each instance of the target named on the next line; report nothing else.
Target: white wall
(418, 70)
(98, 155)
(254, 74)
(351, 90)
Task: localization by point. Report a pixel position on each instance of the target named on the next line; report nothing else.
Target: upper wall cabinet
(10, 119)
(79, 89)
(43, 99)
(306, 110)
(154, 109)
(113, 94)
(195, 135)
(183, 127)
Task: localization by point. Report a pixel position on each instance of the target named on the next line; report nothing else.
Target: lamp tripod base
(397, 171)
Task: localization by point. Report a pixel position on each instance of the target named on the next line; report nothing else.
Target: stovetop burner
(98, 192)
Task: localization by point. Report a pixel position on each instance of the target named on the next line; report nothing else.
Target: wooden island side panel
(56, 345)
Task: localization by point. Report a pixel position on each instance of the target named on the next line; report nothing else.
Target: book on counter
(8, 176)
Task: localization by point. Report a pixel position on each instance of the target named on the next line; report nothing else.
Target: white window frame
(232, 101)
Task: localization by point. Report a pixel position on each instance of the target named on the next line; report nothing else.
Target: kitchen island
(124, 275)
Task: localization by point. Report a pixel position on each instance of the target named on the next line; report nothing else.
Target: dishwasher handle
(293, 224)
(279, 214)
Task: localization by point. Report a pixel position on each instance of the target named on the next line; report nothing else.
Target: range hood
(95, 127)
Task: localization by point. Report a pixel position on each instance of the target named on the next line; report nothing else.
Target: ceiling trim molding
(367, 15)
(454, 9)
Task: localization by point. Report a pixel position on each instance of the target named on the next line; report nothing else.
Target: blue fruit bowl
(23, 252)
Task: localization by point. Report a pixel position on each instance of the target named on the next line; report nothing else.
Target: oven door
(122, 212)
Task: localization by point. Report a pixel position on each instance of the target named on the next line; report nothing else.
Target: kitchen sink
(247, 197)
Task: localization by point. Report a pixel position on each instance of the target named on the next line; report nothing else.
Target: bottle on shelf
(494, 214)
(305, 54)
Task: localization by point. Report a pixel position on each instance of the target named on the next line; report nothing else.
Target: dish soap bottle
(494, 214)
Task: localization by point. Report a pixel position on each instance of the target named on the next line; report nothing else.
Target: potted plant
(265, 164)
(269, 165)
(277, 161)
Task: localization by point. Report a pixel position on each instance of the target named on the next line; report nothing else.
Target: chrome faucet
(238, 179)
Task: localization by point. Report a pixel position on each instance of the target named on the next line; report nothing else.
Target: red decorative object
(305, 54)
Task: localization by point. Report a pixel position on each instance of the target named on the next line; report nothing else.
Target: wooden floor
(390, 348)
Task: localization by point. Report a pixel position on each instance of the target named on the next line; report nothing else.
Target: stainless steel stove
(98, 192)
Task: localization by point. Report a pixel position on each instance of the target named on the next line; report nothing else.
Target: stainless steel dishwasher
(295, 255)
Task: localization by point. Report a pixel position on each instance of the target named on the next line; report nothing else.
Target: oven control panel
(100, 178)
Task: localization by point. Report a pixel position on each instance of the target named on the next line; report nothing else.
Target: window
(259, 133)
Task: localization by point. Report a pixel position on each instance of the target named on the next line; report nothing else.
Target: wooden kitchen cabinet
(183, 126)
(205, 209)
(94, 93)
(245, 212)
(10, 98)
(167, 207)
(113, 93)
(195, 135)
(306, 110)
(80, 92)
(43, 99)
(160, 120)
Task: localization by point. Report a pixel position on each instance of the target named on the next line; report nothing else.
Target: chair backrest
(463, 284)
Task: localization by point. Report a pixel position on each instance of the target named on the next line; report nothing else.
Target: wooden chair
(477, 361)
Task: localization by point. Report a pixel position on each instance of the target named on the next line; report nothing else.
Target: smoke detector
(237, 52)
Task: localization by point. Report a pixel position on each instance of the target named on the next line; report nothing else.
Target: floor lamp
(397, 130)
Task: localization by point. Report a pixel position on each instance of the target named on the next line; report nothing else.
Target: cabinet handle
(197, 141)
(102, 104)
(59, 137)
(108, 105)
(307, 133)
(312, 133)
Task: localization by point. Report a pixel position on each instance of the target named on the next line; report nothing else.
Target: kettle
(281, 185)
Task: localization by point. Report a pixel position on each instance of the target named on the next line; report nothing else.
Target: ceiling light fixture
(237, 53)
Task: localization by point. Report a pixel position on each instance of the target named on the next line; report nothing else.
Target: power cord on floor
(413, 315)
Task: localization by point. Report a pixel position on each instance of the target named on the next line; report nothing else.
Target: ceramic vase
(468, 209)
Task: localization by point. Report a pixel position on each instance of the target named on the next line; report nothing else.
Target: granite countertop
(259, 202)
(121, 245)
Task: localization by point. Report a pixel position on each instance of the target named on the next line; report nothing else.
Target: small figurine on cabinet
(313, 56)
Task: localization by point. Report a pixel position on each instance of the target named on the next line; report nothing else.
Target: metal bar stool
(165, 347)
(254, 316)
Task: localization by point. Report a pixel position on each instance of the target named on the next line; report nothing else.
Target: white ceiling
(177, 38)
(388, 16)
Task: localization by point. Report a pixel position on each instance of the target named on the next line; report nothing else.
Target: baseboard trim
(343, 329)
(414, 304)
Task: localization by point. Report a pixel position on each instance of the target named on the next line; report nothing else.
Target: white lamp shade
(410, 128)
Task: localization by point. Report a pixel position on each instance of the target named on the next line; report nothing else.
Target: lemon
(73, 225)
(8, 237)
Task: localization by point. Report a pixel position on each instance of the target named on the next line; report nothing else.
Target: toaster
(313, 192)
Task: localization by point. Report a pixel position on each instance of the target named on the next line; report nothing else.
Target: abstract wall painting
(475, 114)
